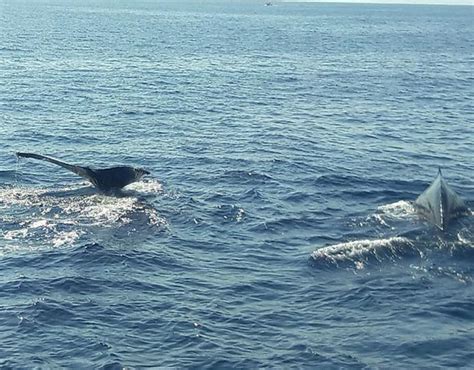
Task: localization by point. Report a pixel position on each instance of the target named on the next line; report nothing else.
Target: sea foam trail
(361, 252)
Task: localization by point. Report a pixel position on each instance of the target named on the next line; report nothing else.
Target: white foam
(65, 238)
(155, 219)
(13, 248)
(28, 229)
(358, 250)
(379, 219)
(58, 219)
(16, 234)
(150, 186)
(400, 210)
(17, 196)
(100, 209)
(39, 223)
(239, 215)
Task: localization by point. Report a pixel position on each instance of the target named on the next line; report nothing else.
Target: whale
(106, 180)
(439, 204)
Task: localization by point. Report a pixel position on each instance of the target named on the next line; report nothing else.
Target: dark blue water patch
(94, 254)
(459, 310)
(39, 329)
(8, 175)
(91, 256)
(75, 285)
(24, 286)
(462, 252)
(292, 224)
(254, 195)
(343, 180)
(303, 197)
(114, 365)
(450, 349)
(310, 357)
(255, 290)
(244, 177)
(48, 313)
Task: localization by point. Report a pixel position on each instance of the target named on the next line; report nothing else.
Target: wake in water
(40, 218)
(411, 240)
(360, 252)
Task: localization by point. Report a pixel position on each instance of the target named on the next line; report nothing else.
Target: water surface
(287, 145)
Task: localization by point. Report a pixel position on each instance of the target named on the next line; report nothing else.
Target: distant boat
(268, 3)
(440, 204)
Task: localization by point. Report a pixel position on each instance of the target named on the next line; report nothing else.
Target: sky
(446, 2)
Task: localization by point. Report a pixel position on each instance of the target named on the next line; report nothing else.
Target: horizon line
(385, 2)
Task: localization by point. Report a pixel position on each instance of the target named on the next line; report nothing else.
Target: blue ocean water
(287, 144)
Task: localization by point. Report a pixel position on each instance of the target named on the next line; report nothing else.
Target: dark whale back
(113, 178)
(440, 204)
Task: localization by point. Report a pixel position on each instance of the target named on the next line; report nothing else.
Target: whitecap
(401, 210)
(65, 238)
(15, 234)
(360, 252)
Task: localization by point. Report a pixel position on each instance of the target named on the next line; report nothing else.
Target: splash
(37, 218)
(398, 210)
(359, 253)
(146, 187)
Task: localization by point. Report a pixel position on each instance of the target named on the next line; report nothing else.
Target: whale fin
(439, 204)
(84, 172)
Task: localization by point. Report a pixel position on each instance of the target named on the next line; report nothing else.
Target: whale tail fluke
(108, 179)
(84, 172)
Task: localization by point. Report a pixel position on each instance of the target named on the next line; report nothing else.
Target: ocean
(277, 229)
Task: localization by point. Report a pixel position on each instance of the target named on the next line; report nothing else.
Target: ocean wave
(359, 253)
